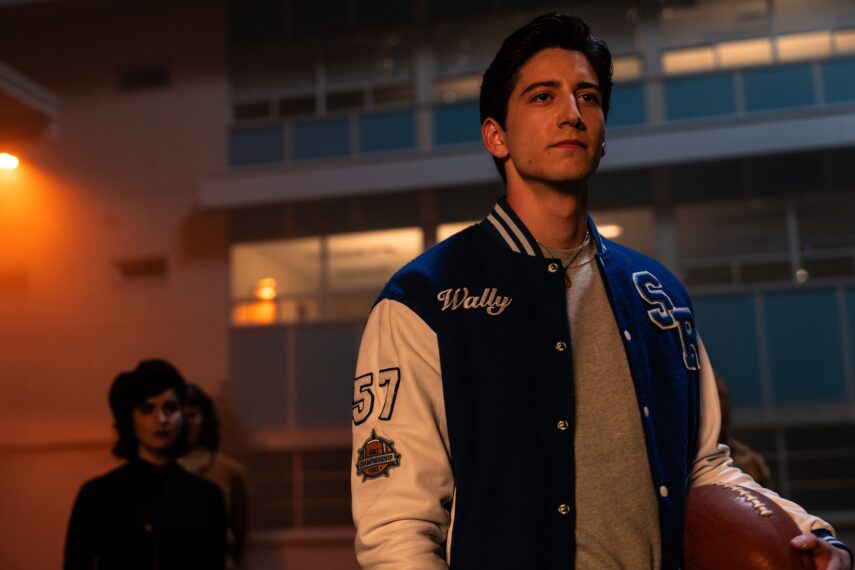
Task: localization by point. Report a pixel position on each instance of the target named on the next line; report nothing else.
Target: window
(394, 94)
(346, 100)
(364, 261)
(274, 281)
(316, 279)
(444, 231)
(251, 110)
(812, 45)
(627, 68)
(756, 51)
(688, 60)
(458, 88)
(844, 41)
(297, 105)
(744, 53)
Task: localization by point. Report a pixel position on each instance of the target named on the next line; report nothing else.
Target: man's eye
(589, 98)
(542, 97)
(145, 408)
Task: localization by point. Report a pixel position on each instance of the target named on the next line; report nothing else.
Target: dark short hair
(130, 389)
(209, 436)
(554, 30)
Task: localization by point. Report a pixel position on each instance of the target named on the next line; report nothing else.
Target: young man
(529, 394)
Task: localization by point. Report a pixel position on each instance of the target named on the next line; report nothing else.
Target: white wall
(117, 179)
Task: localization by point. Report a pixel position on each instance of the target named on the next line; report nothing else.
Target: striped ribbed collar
(506, 227)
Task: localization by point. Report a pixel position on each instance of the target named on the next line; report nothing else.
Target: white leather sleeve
(713, 463)
(402, 517)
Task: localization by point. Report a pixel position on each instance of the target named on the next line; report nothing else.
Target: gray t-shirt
(617, 517)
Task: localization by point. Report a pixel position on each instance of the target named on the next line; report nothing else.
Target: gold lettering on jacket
(489, 300)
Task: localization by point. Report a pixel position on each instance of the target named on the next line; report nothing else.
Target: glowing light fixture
(802, 275)
(255, 313)
(266, 290)
(610, 231)
(8, 161)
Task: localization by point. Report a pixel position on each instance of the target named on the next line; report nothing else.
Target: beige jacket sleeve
(401, 480)
(713, 463)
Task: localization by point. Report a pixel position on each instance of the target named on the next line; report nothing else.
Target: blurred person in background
(744, 457)
(205, 460)
(149, 513)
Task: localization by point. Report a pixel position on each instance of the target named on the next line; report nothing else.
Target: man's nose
(570, 114)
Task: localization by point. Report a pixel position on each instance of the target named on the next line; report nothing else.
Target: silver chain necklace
(585, 242)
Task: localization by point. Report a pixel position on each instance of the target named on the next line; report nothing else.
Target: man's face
(554, 129)
(158, 422)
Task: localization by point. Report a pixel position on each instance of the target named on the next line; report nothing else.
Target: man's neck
(557, 219)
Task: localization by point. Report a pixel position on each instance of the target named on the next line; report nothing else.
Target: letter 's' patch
(376, 458)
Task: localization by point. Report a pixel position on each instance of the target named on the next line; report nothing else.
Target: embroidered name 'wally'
(459, 298)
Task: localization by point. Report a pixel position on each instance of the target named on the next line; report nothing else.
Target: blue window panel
(263, 145)
(779, 88)
(838, 78)
(455, 124)
(321, 139)
(728, 329)
(389, 131)
(699, 96)
(805, 358)
(627, 105)
(326, 356)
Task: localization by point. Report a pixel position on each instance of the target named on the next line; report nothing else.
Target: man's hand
(825, 556)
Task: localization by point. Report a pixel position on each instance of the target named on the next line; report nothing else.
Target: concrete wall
(115, 179)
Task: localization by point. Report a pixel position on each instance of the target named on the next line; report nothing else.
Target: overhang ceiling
(26, 108)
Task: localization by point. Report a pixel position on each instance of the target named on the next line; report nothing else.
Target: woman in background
(205, 459)
(148, 513)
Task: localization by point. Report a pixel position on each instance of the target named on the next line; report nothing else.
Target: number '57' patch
(363, 396)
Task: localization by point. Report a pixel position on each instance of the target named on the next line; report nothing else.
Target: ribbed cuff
(835, 542)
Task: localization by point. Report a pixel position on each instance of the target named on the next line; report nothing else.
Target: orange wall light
(266, 290)
(8, 161)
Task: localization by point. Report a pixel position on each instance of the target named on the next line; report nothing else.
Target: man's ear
(493, 137)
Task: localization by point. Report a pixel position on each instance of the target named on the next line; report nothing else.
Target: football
(735, 528)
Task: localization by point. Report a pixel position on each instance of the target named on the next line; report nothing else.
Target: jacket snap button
(560, 346)
(663, 490)
(563, 509)
(563, 425)
(553, 267)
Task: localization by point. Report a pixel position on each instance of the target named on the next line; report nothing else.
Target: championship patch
(376, 458)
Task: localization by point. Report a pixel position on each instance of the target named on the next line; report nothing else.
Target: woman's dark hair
(209, 436)
(554, 30)
(130, 389)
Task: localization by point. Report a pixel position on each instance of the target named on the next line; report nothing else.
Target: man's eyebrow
(587, 85)
(549, 83)
(552, 83)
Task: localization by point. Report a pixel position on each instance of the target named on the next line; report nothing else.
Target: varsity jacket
(463, 404)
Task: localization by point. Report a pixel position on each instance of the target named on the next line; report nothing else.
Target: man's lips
(569, 143)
